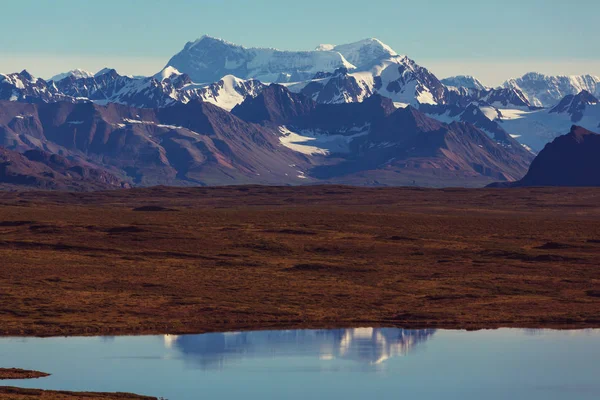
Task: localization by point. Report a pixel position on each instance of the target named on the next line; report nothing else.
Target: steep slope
(274, 104)
(42, 170)
(570, 160)
(546, 91)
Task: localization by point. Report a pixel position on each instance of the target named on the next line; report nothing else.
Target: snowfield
(313, 143)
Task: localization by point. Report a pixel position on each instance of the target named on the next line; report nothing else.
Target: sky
(492, 40)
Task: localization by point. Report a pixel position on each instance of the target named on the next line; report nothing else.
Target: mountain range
(220, 113)
(277, 137)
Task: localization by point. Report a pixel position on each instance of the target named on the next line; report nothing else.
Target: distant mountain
(569, 160)
(41, 170)
(24, 87)
(76, 73)
(547, 91)
(107, 86)
(208, 59)
(536, 127)
(398, 78)
(364, 54)
(464, 81)
(331, 74)
(576, 105)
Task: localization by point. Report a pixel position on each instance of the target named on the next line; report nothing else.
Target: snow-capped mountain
(464, 81)
(533, 127)
(208, 59)
(546, 91)
(398, 78)
(76, 73)
(107, 86)
(375, 139)
(405, 82)
(364, 54)
(577, 106)
(23, 87)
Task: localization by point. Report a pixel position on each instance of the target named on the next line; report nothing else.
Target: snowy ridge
(75, 73)
(167, 73)
(208, 59)
(464, 81)
(364, 54)
(107, 86)
(546, 91)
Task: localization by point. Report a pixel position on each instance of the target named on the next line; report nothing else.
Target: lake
(363, 363)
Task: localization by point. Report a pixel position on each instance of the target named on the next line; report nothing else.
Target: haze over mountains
(359, 113)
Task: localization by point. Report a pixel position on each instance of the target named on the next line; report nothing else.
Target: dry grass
(208, 259)
(16, 373)
(13, 393)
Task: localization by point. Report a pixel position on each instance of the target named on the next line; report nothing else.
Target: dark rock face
(340, 88)
(275, 104)
(569, 160)
(575, 105)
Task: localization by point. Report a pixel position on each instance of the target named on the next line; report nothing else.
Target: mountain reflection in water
(368, 346)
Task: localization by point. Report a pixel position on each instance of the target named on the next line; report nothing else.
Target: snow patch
(310, 142)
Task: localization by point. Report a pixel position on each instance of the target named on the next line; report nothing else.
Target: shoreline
(18, 373)
(315, 326)
(16, 393)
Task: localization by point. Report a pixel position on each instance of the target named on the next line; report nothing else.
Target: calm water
(322, 364)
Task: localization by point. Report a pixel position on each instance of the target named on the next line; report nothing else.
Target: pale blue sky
(493, 40)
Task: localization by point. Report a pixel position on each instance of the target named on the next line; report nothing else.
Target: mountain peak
(547, 91)
(365, 53)
(167, 73)
(75, 73)
(580, 133)
(569, 160)
(208, 59)
(575, 105)
(105, 71)
(465, 81)
(207, 39)
(25, 74)
(325, 47)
